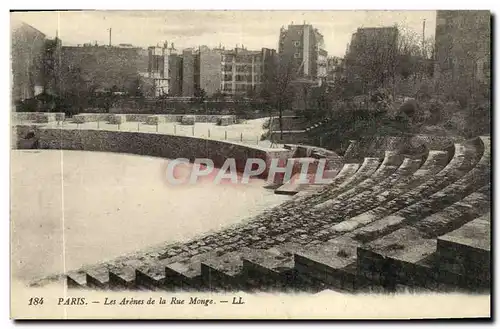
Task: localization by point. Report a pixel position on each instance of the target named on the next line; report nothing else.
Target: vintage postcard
(250, 164)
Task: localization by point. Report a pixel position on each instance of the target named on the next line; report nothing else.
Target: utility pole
(110, 37)
(423, 40)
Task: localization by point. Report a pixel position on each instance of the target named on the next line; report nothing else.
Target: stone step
(330, 263)
(151, 276)
(344, 174)
(405, 177)
(186, 274)
(467, 250)
(224, 272)
(98, 278)
(122, 278)
(410, 256)
(415, 203)
(456, 215)
(76, 280)
(294, 185)
(382, 173)
(272, 269)
(393, 259)
(368, 167)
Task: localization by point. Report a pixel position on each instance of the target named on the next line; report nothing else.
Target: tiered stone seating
(408, 255)
(427, 198)
(395, 225)
(368, 168)
(347, 171)
(422, 184)
(391, 163)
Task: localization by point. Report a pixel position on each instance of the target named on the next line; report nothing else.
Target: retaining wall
(150, 144)
(37, 116)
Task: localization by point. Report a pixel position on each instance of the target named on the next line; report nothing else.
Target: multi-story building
(301, 52)
(158, 69)
(188, 72)
(231, 72)
(371, 55)
(175, 73)
(463, 51)
(244, 71)
(27, 54)
(165, 70)
(209, 68)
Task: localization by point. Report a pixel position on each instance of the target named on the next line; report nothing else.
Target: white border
(186, 4)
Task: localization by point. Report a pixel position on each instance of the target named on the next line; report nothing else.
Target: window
(296, 43)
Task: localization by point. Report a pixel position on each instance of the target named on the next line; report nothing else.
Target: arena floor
(72, 208)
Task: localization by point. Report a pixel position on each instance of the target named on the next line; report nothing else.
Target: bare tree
(380, 56)
(277, 92)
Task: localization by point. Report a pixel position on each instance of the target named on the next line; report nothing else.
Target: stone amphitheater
(390, 220)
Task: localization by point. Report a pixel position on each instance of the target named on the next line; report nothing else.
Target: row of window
(245, 87)
(241, 67)
(245, 78)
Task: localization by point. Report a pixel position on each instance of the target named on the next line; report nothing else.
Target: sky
(252, 29)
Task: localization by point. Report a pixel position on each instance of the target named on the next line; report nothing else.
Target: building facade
(230, 72)
(165, 70)
(209, 66)
(158, 70)
(188, 72)
(302, 52)
(27, 53)
(244, 71)
(463, 51)
(175, 73)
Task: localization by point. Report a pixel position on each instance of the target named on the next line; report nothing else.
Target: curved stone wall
(150, 144)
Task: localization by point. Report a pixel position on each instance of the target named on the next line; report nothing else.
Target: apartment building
(302, 52)
(165, 70)
(242, 71)
(238, 71)
(188, 72)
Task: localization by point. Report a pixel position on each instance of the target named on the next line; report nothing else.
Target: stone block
(188, 120)
(76, 280)
(155, 119)
(122, 278)
(333, 263)
(117, 119)
(98, 278)
(45, 117)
